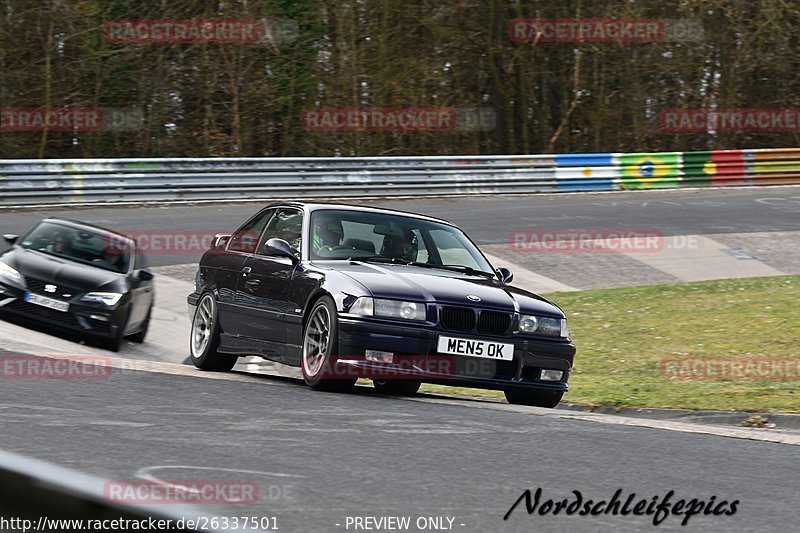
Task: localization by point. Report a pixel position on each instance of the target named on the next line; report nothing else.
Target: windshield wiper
(380, 259)
(398, 261)
(457, 268)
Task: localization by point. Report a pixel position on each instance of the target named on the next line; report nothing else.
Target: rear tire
(548, 399)
(397, 387)
(320, 346)
(204, 338)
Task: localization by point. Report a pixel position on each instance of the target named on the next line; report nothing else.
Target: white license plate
(44, 301)
(473, 348)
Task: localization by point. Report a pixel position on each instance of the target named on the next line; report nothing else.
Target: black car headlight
(543, 325)
(110, 299)
(388, 308)
(10, 275)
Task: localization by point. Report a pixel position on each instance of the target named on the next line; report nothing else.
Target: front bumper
(416, 357)
(80, 318)
(191, 304)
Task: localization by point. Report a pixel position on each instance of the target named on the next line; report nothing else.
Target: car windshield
(356, 235)
(95, 248)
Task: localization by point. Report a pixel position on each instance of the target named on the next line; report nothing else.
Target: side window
(139, 260)
(287, 224)
(246, 238)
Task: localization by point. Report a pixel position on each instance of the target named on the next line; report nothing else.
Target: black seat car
(80, 278)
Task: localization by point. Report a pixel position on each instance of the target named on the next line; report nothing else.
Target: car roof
(76, 224)
(318, 206)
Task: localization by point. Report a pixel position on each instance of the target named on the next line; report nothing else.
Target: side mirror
(220, 240)
(10, 238)
(280, 248)
(145, 275)
(505, 274)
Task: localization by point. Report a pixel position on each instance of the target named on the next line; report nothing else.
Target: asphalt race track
(321, 459)
(489, 219)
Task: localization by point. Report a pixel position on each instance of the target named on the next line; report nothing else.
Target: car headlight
(108, 298)
(543, 325)
(363, 306)
(388, 308)
(10, 275)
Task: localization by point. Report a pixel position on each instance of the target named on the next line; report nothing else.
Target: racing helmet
(403, 245)
(327, 233)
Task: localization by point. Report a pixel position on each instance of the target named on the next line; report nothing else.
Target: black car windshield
(390, 238)
(95, 248)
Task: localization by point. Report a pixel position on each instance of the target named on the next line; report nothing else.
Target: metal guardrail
(50, 181)
(39, 496)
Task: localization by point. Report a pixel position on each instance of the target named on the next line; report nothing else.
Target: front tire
(320, 346)
(536, 398)
(141, 334)
(397, 387)
(204, 338)
(112, 344)
(115, 343)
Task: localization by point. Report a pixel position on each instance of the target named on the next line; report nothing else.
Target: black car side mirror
(505, 274)
(281, 248)
(145, 275)
(220, 240)
(10, 238)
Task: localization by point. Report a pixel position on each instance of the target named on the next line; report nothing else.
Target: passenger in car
(112, 258)
(403, 246)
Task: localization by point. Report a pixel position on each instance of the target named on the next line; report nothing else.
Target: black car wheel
(139, 337)
(112, 344)
(320, 346)
(547, 399)
(204, 338)
(115, 343)
(398, 387)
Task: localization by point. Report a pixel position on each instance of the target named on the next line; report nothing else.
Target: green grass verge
(622, 334)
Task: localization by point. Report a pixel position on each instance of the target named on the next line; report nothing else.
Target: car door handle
(246, 270)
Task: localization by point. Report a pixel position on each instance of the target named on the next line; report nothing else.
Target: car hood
(431, 285)
(50, 269)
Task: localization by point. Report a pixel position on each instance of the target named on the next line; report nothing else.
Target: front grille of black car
(530, 373)
(458, 318)
(37, 286)
(463, 319)
(506, 369)
(465, 367)
(493, 322)
(51, 316)
(57, 318)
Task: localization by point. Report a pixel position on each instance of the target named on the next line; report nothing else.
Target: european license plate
(44, 301)
(474, 348)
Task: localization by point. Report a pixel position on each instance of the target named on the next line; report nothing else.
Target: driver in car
(328, 234)
(62, 244)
